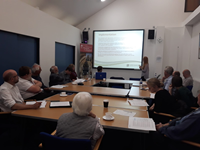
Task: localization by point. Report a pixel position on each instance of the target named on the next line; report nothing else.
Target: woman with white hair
(81, 123)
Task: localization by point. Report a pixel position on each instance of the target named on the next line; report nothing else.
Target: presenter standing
(145, 69)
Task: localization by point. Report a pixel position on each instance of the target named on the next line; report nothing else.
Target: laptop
(100, 75)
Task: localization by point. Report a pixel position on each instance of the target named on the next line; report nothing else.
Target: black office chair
(117, 85)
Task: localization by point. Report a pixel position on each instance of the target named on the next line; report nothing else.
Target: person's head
(68, 70)
(186, 73)
(99, 69)
(36, 70)
(72, 66)
(82, 103)
(10, 76)
(25, 72)
(154, 84)
(176, 73)
(54, 69)
(145, 60)
(168, 71)
(177, 81)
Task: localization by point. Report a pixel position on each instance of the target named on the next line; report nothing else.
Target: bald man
(10, 97)
(188, 81)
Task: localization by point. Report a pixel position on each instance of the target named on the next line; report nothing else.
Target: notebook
(100, 75)
(57, 104)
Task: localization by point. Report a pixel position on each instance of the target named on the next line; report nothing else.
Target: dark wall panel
(16, 51)
(64, 55)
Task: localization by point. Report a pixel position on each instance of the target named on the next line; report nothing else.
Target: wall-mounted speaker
(151, 34)
(85, 36)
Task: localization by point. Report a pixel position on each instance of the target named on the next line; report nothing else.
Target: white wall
(142, 14)
(18, 17)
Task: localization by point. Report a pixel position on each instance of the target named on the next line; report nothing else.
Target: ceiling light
(103, 0)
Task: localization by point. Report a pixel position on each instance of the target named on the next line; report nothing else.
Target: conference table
(97, 100)
(118, 100)
(134, 92)
(94, 90)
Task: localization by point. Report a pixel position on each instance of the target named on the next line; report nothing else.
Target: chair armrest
(190, 142)
(96, 147)
(164, 114)
(53, 133)
(1, 113)
(193, 108)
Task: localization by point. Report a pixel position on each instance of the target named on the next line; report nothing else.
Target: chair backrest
(136, 79)
(50, 142)
(190, 87)
(116, 85)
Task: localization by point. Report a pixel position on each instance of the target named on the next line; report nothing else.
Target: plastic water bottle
(140, 83)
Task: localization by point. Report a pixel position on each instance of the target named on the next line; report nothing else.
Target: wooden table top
(117, 102)
(136, 92)
(95, 90)
(120, 122)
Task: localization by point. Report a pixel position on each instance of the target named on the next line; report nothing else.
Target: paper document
(124, 112)
(136, 102)
(59, 86)
(43, 104)
(57, 104)
(146, 124)
(152, 95)
(79, 80)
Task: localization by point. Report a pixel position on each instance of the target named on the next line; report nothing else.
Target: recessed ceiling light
(103, 0)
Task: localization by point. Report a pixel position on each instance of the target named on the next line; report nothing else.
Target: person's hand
(47, 89)
(163, 79)
(140, 67)
(152, 107)
(170, 89)
(160, 125)
(37, 105)
(73, 80)
(92, 115)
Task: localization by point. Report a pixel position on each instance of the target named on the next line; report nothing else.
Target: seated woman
(73, 75)
(181, 92)
(81, 123)
(163, 101)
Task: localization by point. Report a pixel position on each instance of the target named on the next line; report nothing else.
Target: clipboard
(60, 104)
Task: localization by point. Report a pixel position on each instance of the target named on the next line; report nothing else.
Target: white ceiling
(71, 11)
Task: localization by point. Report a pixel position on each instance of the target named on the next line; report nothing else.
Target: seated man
(29, 87)
(69, 123)
(188, 81)
(176, 73)
(185, 128)
(10, 97)
(99, 69)
(36, 70)
(167, 79)
(66, 75)
(55, 78)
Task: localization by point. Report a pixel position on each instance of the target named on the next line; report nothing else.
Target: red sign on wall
(86, 48)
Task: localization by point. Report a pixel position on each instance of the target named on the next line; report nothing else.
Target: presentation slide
(121, 49)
